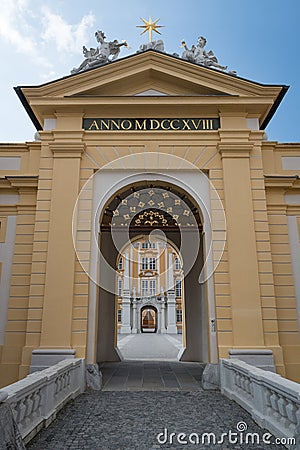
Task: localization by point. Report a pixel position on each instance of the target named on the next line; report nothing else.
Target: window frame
(178, 291)
(152, 263)
(144, 291)
(152, 287)
(145, 263)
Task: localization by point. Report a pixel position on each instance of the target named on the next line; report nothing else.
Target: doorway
(148, 319)
(139, 208)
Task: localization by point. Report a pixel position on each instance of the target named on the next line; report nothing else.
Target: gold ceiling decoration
(152, 206)
(151, 218)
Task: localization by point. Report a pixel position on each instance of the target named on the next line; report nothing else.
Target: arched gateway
(148, 319)
(162, 212)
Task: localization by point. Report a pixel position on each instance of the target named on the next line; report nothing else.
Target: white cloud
(66, 37)
(20, 31)
(12, 21)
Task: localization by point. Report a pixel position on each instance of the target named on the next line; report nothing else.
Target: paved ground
(133, 420)
(149, 346)
(144, 400)
(154, 375)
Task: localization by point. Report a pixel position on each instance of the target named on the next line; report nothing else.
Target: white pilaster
(126, 272)
(134, 313)
(163, 318)
(131, 280)
(126, 303)
(158, 318)
(125, 326)
(139, 270)
(170, 272)
(171, 328)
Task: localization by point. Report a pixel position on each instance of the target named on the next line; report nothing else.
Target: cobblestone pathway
(131, 411)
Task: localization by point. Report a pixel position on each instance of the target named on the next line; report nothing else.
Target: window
(119, 287)
(179, 315)
(144, 263)
(152, 245)
(144, 287)
(145, 244)
(152, 287)
(177, 264)
(178, 288)
(152, 263)
(119, 315)
(120, 265)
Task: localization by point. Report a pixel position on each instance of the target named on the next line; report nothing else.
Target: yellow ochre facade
(49, 302)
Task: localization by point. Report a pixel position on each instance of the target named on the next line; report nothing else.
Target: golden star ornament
(150, 26)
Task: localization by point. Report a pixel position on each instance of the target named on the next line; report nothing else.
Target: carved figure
(155, 45)
(95, 57)
(199, 55)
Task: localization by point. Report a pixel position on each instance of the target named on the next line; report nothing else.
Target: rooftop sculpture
(106, 52)
(198, 55)
(100, 55)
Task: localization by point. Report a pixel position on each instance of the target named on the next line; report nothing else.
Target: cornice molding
(8, 209)
(280, 208)
(281, 181)
(293, 210)
(235, 149)
(67, 149)
(23, 181)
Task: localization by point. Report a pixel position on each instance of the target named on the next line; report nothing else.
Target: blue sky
(41, 40)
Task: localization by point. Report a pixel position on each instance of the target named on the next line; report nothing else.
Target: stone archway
(195, 330)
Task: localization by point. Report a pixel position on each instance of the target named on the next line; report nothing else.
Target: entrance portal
(143, 209)
(148, 319)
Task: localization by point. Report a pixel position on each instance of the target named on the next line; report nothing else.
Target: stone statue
(154, 45)
(198, 55)
(95, 57)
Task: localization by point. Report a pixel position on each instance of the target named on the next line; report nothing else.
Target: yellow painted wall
(254, 287)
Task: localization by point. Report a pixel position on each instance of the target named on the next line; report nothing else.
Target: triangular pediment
(147, 75)
(148, 71)
(151, 80)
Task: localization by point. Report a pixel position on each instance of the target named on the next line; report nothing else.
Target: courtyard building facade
(155, 275)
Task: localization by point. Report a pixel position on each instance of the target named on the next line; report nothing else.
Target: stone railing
(36, 400)
(273, 401)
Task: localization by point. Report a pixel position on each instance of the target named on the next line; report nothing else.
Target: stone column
(171, 302)
(126, 302)
(126, 273)
(134, 313)
(163, 313)
(158, 318)
(170, 273)
(171, 328)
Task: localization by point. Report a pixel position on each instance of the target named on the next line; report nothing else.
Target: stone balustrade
(36, 400)
(273, 401)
